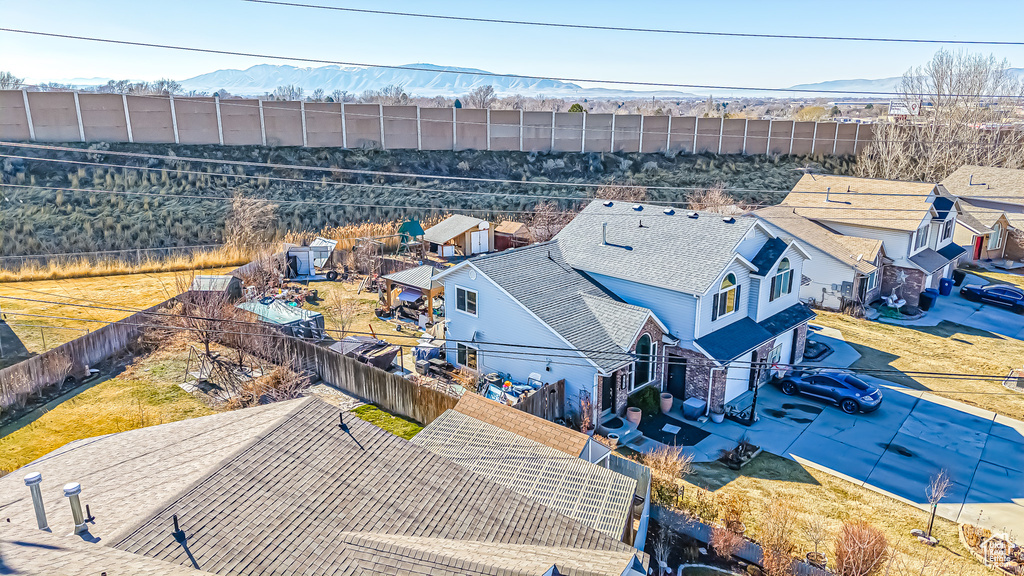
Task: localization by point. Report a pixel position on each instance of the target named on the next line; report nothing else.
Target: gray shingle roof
(744, 335)
(951, 250)
(850, 250)
(674, 251)
(588, 493)
(308, 498)
(589, 318)
(451, 227)
(995, 184)
(419, 277)
(929, 260)
(768, 255)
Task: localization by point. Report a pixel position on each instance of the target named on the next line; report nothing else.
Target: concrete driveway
(897, 449)
(955, 308)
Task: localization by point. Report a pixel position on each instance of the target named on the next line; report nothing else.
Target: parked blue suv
(850, 393)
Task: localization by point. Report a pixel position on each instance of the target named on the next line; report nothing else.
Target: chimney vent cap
(33, 478)
(72, 489)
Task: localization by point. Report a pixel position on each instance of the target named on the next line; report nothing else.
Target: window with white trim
(921, 238)
(996, 239)
(872, 280)
(644, 361)
(727, 300)
(947, 229)
(782, 282)
(466, 356)
(465, 300)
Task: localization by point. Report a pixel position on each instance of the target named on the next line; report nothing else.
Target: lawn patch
(401, 427)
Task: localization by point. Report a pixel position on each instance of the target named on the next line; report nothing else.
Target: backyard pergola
(412, 284)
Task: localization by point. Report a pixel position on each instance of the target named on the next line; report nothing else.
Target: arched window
(727, 300)
(644, 352)
(782, 282)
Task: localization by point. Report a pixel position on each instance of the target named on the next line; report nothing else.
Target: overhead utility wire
(434, 70)
(628, 29)
(334, 169)
(603, 354)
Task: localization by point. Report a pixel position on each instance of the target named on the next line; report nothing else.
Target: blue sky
(240, 26)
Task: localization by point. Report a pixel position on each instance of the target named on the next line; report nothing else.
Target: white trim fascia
(537, 318)
(458, 266)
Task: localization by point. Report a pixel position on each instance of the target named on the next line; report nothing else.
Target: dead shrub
(703, 504)
(861, 549)
(622, 193)
(668, 465)
(777, 522)
(282, 383)
(725, 542)
(715, 199)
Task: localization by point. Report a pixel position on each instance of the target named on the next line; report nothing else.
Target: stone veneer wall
(621, 396)
(911, 291)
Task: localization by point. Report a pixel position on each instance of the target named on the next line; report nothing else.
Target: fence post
(746, 124)
(856, 138)
(792, 135)
(28, 116)
(174, 120)
(455, 131)
(302, 112)
(488, 129)
(583, 133)
(419, 131)
(835, 140)
(696, 123)
(380, 110)
(520, 130)
(344, 134)
(668, 134)
(220, 127)
(814, 137)
(78, 114)
(128, 118)
(768, 150)
(552, 148)
(721, 133)
(640, 146)
(612, 147)
(263, 124)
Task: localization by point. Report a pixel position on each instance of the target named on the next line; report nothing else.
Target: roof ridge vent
(692, 214)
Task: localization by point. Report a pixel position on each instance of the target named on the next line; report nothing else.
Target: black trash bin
(927, 299)
(958, 277)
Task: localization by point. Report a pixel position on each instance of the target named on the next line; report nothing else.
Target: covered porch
(412, 293)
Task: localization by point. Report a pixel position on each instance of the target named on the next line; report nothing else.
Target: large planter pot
(666, 402)
(633, 414)
(717, 417)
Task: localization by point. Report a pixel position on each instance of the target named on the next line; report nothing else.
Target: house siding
(542, 351)
(676, 309)
(896, 243)
(705, 325)
(824, 272)
(764, 308)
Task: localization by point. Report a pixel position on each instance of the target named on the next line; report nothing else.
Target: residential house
(845, 269)
(992, 201)
(630, 296)
(459, 234)
(914, 221)
(294, 487)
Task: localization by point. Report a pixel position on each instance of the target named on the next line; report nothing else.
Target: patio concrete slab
(945, 433)
(843, 355)
(1003, 452)
(957, 309)
(836, 458)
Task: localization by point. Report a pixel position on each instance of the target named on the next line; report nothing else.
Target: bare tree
(967, 106)
(935, 492)
(548, 219)
(481, 97)
(165, 86)
(774, 534)
(662, 547)
(250, 223)
(622, 193)
(816, 530)
(317, 95)
(715, 199)
(9, 81)
(203, 312)
(668, 466)
(287, 92)
(340, 311)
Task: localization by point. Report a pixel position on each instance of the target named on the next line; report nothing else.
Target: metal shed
(227, 284)
(291, 320)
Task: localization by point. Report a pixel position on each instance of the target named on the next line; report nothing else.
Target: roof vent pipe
(32, 480)
(827, 190)
(604, 233)
(71, 492)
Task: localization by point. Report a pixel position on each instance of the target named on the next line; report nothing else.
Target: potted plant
(816, 530)
(666, 402)
(718, 414)
(633, 414)
(613, 440)
(586, 413)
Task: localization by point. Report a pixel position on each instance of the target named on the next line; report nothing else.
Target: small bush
(703, 505)
(725, 542)
(668, 465)
(647, 400)
(861, 549)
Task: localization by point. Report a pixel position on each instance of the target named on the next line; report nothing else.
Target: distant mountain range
(434, 80)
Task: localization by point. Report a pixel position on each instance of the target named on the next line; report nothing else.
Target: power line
(627, 29)
(496, 75)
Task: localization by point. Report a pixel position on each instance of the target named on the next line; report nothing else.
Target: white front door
(478, 242)
(737, 377)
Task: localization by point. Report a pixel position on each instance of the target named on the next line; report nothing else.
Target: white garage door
(737, 377)
(479, 242)
(786, 343)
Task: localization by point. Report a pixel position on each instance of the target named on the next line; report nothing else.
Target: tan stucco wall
(627, 133)
(682, 133)
(757, 136)
(471, 129)
(436, 128)
(323, 124)
(13, 121)
(151, 119)
(569, 131)
(283, 122)
(732, 135)
(781, 134)
(55, 119)
(362, 125)
(197, 120)
(599, 133)
(505, 130)
(708, 132)
(655, 134)
(400, 127)
(240, 120)
(536, 131)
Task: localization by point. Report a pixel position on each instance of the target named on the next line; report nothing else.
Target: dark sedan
(1006, 296)
(850, 393)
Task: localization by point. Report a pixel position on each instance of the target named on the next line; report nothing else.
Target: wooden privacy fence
(547, 403)
(28, 377)
(95, 117)
(388, 391)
